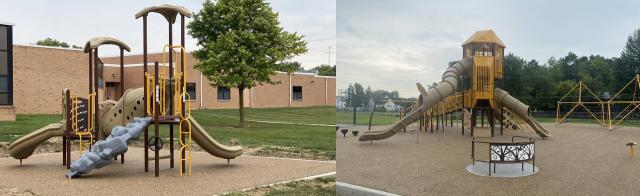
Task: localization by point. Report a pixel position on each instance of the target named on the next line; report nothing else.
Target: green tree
(242, 44)
(325, 70)
(360, 96)
(629, 63)
(290, 66)
(52, 43)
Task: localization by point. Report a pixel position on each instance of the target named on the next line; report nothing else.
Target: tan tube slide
(23, 148)
(443, 89)
(210, 145)
(503, 98)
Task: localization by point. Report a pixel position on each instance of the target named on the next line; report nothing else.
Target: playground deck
(579, 159)
(44, 175)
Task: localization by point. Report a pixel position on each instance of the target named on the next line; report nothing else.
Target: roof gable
(486, 36)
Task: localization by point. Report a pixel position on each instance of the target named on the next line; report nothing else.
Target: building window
(191, 90)
(6, 65)
(297, 92)
(224, 93)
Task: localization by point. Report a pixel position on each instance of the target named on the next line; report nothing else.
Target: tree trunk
(241, 106)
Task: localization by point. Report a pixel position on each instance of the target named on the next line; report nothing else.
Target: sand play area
(579, 159)
(44, 175)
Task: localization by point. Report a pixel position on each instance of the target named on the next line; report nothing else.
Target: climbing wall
(121, 112)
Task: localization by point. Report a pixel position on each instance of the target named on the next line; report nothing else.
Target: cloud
(394, 44)
(75, 22)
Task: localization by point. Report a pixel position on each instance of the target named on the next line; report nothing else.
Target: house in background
(391, 106)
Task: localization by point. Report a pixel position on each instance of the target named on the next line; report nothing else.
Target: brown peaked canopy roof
(486, 36)
(168, 11)
(95, 42)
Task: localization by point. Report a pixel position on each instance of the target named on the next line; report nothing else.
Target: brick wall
(261, 96)
(40, 75)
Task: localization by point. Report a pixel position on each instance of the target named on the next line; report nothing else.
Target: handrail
(181, 101)
(162, 88)
(90, 121)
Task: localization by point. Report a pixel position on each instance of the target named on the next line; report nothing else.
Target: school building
(33, 77)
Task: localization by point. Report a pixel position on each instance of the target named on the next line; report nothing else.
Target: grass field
(362, 118)
(318, 187)
(222, 125)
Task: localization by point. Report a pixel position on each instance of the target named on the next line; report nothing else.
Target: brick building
(33, 77)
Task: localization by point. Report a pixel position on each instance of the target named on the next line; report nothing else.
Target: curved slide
(436, 94)
(503, 98)
(206, 142)
(23, 148)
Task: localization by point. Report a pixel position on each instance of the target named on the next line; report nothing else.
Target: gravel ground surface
(55, 145)
(579, 159)
(43, 174)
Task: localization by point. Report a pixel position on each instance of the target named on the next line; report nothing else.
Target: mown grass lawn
(362, 118)
(318, 187)
(222, 125)
(24, 124)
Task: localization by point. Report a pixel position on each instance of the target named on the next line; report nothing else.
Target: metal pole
(157, 125)
(371, 116)
(473, 121)
(463, 106)
(144, 61)
(67, 158)
(95, 132)
(183, 81)
(491, 120)
(431, 119)
(97, 99)
(122, 89)
(171, 82)
(354, 108)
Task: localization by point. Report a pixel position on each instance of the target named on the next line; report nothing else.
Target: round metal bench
(507, 153)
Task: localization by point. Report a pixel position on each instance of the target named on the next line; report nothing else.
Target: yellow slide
(23, 148)
(206, 142)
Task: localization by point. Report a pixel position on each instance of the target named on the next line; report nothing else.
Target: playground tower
(166, 99)
(487, 53)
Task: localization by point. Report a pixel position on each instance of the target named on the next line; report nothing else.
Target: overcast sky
(77, 21)
(394, 44)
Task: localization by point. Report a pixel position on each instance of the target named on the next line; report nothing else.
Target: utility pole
(329, 53)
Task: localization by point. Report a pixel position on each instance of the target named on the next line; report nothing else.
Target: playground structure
(158, 99)
(606, 113)
(481, 66)
(162, 101)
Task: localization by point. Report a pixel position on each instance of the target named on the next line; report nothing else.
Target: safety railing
(505, 152)
(482, 78)
(498, 66)
(185, 136)
(75, 117)
(181, 101)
